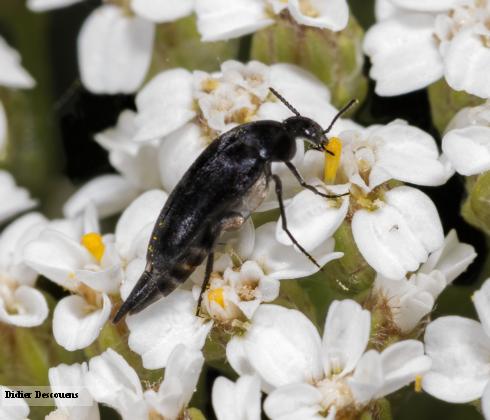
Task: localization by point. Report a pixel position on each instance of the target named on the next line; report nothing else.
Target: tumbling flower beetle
(226, 183)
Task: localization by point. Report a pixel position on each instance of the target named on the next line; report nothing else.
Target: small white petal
(428, 6)
(114, 50)
(399, 236)
(403, 53)
(109, 193)
(468, 149)
(384, 9)
(460, 350)
(164, 104)
(283, 346)
(107, 280)
(485, 402)
(43, 5)
(158, 329)
(12, 74)
(141, 212)
(3, 129)
(112, 381)
(285, 262)
(181, 376)
(177, 153)
(221, 19)
(31, 307)
(311, 219)
(467, 47)
(75, 324)
(481, 300)
(295, 401)
(332, 15)
(13, 199)
(162, 11)
(19, 411)
(63, 376)
(402, 362)
(237, 401)
(367, 378)
(345, 336)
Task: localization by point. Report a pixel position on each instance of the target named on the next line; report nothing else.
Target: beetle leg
(278, 183)
(207, 276)
(303, 183)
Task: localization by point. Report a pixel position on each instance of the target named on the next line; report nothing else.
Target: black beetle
(220, 190)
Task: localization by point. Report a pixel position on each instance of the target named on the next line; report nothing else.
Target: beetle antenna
(342, 111)
(278, 96)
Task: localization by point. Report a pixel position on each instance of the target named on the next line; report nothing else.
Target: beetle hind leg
(207, 276)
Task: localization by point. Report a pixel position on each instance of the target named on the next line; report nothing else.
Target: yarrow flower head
(428, 40)
(329, 375)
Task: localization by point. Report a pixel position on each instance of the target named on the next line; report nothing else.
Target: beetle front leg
(207, 276)
(278, 183)
(303, 183)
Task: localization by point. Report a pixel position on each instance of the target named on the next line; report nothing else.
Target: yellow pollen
(208, 85)
(332, 162)
(93, 242)
(216, 295)
(418, 383)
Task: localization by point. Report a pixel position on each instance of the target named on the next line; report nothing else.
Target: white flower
(19, 411)
(112, 381)
(219, 19)
(248, 272)
(411, 299)
(14, 199)
(114, 50)
(466, 142)
(415, 43)
(238, 400)
(306, 375)
(20, 303)
(460, 350)
(71, 378)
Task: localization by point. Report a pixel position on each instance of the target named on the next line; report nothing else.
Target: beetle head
(306, 129)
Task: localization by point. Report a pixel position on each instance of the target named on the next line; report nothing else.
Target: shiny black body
(218, 192)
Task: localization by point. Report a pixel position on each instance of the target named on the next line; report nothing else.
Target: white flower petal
(112, 381)
(56, 256)
(428, 6)
(114, 50)
(31, 308)
(403, 53)
(14, 199)
(164, 104)
(43, 5)
(109, 193)
(75, 324)
(312, 219)
(12, 74)
(283, 346)
(3, 128)
(481, 300)
(345, 336)
(63, 376)
(107, 280)
(332, 15)
(467, 47)
(140, 213)
(460, 350)
(220, 19)
(468, 149)
(384, 9)
(402, 363)
(410, 155)
(177, 153)
(19, 411)
(181, 375)
(485, 402)
(237, 401)
(285, 262)
(399, 236)
(295, 401)
(162, 11)
(452, 259)
(158, 329)
(367, 378)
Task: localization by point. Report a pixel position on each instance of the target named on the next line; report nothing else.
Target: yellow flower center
(418, 383)
(94, 244)
(308, 9)
(216, 295)
(332, 159)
